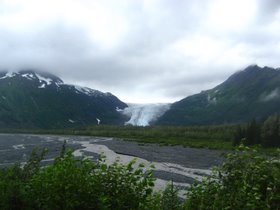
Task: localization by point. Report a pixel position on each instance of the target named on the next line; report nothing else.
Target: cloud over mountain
(175, 48)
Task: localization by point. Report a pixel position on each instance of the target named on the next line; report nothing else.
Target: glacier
(144, 114)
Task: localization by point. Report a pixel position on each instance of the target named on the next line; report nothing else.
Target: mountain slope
(251, 93)
(31, 99)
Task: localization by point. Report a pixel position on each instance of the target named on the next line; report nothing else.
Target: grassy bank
(213, 137)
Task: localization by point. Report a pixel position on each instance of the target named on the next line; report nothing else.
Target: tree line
(266, 133)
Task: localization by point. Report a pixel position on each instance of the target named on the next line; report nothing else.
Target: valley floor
(181, 165)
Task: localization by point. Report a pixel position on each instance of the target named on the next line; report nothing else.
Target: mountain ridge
(251, 93)
(33, 99)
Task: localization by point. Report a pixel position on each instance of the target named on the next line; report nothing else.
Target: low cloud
(274, 94)
(142, 51)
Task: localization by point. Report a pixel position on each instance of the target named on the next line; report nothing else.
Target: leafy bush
(71, 183)
(14, 179)
(169, 198)
(11, 188)
(246, 180)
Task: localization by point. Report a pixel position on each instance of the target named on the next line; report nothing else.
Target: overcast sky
(140, 50)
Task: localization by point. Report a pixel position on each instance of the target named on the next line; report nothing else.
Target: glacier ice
(144, 114)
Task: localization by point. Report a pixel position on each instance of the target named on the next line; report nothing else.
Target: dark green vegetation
(74, 184)
(39, 100)
(248, 94)
(214, 137)
(246, 180)
(266, 134)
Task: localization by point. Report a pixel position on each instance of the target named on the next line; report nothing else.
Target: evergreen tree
(253, 133)
(238, 136)
(271, 132)
(249, 135)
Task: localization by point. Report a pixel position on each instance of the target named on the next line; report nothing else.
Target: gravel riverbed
(181, 165)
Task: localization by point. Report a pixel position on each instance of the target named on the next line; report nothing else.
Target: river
(181, 165)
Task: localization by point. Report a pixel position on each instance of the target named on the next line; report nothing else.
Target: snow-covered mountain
(32, 99)
(144, 114)
(45, 80)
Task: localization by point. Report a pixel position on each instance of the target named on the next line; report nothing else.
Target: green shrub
(164, 200)
(71, 183)
(82, 184)
(11, 188)
(169, 198)
(14, 179)
(246, 180)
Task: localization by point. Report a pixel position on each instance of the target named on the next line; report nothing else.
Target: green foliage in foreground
(246, 180)
(71, 183)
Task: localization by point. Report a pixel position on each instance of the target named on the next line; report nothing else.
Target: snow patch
(28, 76)
(43, 85)
(44, 79)
(71, 121)
(87, 91)
(98, 121)
(144, 114)
(8, 75)
(47, 80)
(118, 109)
